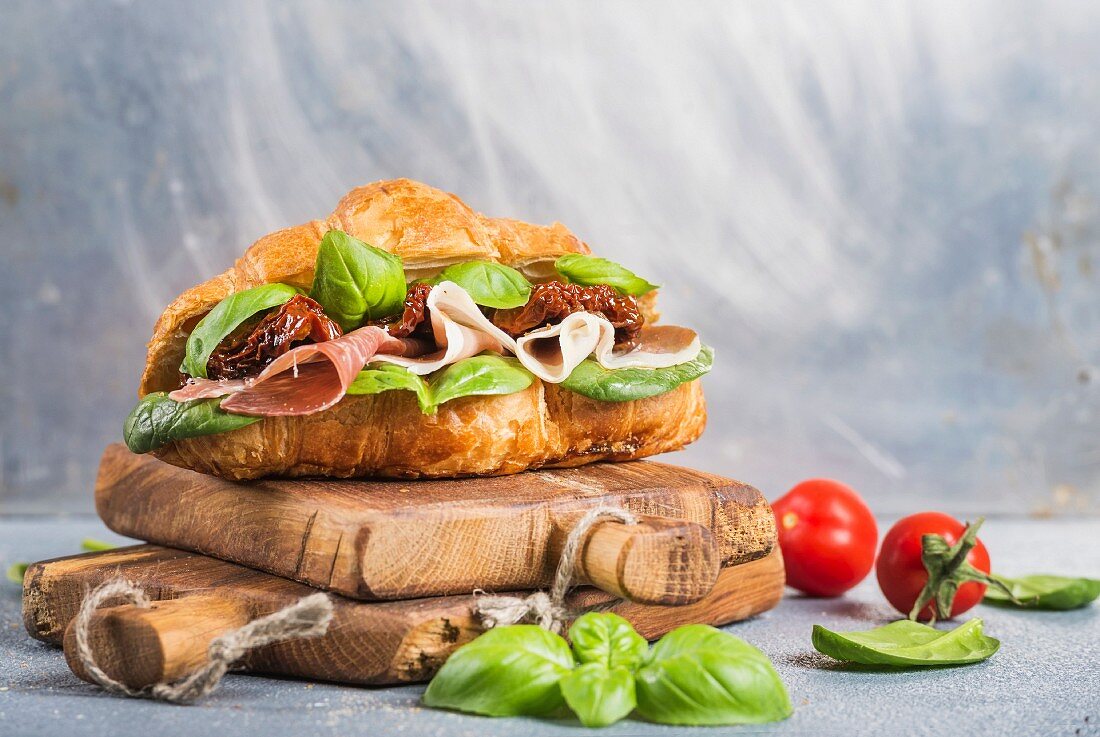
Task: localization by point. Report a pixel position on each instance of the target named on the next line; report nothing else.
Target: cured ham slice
(551, 353)
(207, 389)
(460, 330)
(304, 380)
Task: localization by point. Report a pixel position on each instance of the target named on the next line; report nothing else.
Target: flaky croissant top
(427, 228)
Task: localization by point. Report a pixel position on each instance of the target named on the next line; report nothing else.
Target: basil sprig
(627, 384)
(489, 284)
(480, 375)
(508, 671)
(590, 270)
(1043, 591)
(355, 282)
(699, 675)
(694, 675)
(908, 644)
(158, 420)
(226, 316)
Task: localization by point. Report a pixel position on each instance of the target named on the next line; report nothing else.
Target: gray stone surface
(1044, 681)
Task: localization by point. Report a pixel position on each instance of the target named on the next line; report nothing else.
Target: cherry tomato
(901, 573)
(828, 537)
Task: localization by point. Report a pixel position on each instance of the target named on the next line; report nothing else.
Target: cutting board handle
(162, 643)
(659, 560)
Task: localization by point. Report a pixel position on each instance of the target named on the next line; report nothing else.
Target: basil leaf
(700, 675)
(627, 384)
(607, 639)
(597, 695)
(483, 374)
(906, 644)
(91, 545)
(489, 284)
(158, 420)
(1042, 591)
(226, 316)
(381, 377)
(589, 270)
(17, 571)
(508, 671)
(355, 282)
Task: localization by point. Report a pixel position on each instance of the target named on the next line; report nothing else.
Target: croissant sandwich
(409, 336)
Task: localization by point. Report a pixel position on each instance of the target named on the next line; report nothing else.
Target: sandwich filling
(478, 328)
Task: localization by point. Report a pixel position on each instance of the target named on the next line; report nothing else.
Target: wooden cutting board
(367, 643)
(382, 540)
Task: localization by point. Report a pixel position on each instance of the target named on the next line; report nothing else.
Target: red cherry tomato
(828, 537)
(901, 573)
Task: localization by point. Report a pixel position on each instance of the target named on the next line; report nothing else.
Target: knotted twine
(547, 610)
(307, 617)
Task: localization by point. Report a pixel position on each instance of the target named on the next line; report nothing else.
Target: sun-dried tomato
(552, 301)
(299, 319)
(414, 316)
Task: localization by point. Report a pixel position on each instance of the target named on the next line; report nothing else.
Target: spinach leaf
(508, 671)
(226, 316)
(589, 270)
(906, 644)
(158, 420)
(626, 384)
(489, 284)
(381, 377)
(355, 282)
(599, 695)
(487, 373)
(700, 675)
(1041, 591)
(607, 639)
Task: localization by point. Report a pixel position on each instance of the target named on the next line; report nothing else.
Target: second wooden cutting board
(377, 540)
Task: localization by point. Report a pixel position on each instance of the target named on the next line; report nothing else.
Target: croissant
(388, 434)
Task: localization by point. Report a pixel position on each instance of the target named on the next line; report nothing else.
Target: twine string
(308, 617)
(548, 610)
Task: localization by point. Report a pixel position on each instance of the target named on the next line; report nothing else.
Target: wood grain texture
(380, 540)
(367, 643)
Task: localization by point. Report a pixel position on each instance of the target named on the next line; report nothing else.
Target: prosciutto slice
(551, 353)
(460, 331)
(304, 380)
(207, 389)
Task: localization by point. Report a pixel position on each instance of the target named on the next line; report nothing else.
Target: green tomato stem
(947, 570)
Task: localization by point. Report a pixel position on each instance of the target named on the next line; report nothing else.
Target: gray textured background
(883, 215)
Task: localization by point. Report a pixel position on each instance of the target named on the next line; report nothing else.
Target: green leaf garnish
(355, 282)
(508, 671)
(607, 639)
(1043, 591)
(16, 572)
(590, 270)
(91, 545)
(907, 644)
(226, 317)
(158, 420)
(699, 675)
(480, 375)
(627, 384)
(599, 695)
(489, 284)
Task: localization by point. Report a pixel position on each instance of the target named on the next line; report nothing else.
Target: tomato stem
(947, 570)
